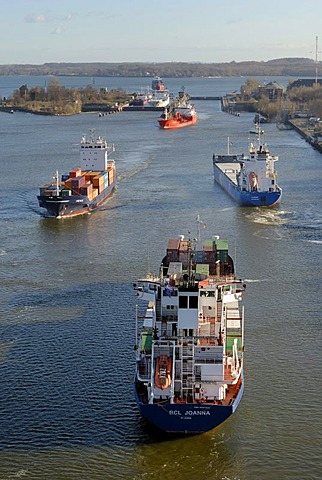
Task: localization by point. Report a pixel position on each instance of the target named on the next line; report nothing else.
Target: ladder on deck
(187, 370)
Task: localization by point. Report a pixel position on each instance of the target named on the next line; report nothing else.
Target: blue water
(67, 315)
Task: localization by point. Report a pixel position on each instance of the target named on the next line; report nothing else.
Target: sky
(205, 31)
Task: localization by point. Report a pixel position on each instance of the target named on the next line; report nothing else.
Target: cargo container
(78, 182)
(89, 175)
(86, 190)
(75, 173)
(98, 181)
(68, 183)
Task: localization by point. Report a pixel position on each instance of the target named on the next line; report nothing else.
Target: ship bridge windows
(207, 293)
(193, 302)
(183, 301)
(188, 311)
(188, 301)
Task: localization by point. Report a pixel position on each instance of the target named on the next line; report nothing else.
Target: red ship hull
(177, 122)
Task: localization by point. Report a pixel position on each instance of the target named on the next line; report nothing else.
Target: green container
(208, 243)
(221, 250)
(221, 244)
(146, 341)
(202, 268)
(230, 337)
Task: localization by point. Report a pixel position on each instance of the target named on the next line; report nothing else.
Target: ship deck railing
(143, 378)
(195, 340)
(228, 158)
(231, 395)
(143, 371)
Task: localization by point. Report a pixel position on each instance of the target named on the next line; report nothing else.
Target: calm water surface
(67, 306)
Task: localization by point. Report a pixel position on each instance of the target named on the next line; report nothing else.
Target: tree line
(278, 67)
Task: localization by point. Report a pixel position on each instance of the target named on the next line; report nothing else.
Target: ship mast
(56, 177)
(190, 262)
(316, 59)
(199, 223)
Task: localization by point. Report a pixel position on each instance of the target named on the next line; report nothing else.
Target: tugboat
(84, 188)
(251, 180)
(190, 338)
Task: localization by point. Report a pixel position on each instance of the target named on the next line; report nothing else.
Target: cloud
(58, 30)
(37, 18)
(70, 17)
(45, 18)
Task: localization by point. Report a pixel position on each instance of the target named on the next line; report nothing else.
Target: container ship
(190, 338)
(251, 180)
(84, 188)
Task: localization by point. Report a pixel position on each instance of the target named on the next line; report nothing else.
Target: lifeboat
(162, 378)
(253, 181)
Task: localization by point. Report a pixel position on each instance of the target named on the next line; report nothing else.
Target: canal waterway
(67, 308)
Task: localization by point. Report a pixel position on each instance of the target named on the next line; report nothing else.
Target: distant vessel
(283, 126)
(251, 179)
(257, 130)
(154, 99)
(84, 188)
(190, 338)
(180, 116)
(259, 119)
(160, 95)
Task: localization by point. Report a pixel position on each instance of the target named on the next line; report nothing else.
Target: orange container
(86, 189)
(75, 173)
(68, 183)
(90, 175)
(98, 181)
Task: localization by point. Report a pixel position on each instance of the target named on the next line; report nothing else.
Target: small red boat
(178, 117)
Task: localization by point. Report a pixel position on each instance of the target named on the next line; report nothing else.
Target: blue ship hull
(187, 418)
(244, 198)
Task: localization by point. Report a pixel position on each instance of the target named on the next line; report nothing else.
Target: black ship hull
(59, 206)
